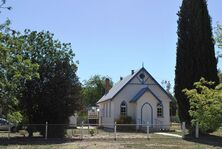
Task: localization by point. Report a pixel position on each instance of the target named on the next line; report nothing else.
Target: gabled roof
(118, 87)
(168, 94)
(141, 92)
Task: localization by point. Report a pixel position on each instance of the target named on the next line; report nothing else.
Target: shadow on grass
(211, 140)
(35, 141)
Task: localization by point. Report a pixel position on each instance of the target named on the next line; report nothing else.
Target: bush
(205, 105)
(92, 132)
(125, 120)
(53, 131)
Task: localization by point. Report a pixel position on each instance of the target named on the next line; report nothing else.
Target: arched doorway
(146, 114)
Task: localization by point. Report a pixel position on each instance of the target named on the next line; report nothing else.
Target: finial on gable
(142, 64)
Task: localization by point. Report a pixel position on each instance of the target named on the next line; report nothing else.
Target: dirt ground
(105, 140)
(167, 143)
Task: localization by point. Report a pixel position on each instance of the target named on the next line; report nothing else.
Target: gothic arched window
(123, 109)
(159, 110)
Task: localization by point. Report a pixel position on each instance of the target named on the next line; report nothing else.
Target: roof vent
(132, 72)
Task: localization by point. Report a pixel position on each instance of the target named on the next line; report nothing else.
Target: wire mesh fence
(94, 131)
(166, 135)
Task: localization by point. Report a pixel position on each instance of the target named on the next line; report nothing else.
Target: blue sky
(110, 37)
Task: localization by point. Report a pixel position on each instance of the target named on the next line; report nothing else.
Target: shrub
(205, 105)
(124, 120)
(92, 132)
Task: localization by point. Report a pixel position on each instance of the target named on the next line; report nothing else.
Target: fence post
(88, 127)
(115, 131)
(46, 130)
(197, 130)
(9, 131)
(82, 130)
(183, 129)
(148, 130)
(97, 129)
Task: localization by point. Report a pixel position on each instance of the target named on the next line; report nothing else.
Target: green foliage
(92, 132)
(94, 89)
(195, 52)
(15, 117)
(55, 95)
(219, 37)
(124, 120)
(220, 76)
(82, 116)
(15, 68)
(205, 105)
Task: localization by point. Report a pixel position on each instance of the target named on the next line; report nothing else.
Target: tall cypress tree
(195, 52)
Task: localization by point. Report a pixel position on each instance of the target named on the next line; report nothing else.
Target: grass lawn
(157, 141)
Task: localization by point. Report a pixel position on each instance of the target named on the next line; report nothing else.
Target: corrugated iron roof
(117, 87)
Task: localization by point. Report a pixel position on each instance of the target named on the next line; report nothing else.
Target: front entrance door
(146, 114)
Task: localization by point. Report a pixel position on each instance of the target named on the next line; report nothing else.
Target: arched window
(159, 110)
(123, 109)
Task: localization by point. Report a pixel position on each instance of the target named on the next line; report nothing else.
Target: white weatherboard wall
(146, 98)
(126, 95)
(106, 114)
(165, 120)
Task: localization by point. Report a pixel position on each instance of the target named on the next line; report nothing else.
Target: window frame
(106, 109)
(123, 105)
(110, 109)
(158, 108)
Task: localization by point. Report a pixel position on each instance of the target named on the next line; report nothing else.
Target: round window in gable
(142, 76)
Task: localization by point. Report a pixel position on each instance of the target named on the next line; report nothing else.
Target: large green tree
(15, 70)
(195, 52)
(56, 94)
(94, 89)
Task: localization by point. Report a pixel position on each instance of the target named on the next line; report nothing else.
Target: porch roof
(141, 92)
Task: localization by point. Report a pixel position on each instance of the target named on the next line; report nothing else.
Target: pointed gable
(141, 92)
